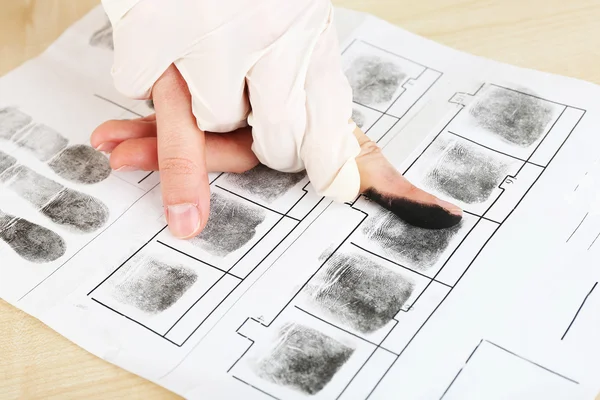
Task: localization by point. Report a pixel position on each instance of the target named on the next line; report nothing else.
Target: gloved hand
(271, 64)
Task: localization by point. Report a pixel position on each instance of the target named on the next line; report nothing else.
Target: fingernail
(183, 219)
(106, 147)
(451, 208)
(126, 168)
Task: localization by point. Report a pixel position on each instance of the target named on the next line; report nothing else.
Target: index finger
(181, 157)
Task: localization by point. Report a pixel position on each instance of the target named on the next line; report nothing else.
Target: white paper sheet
(294, 297)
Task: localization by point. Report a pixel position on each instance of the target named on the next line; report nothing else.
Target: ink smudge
(358, 118)
(303, 359)
(408, 245)
(30, 241)
(12, 121)
(231, 225)
(516, 117)
(153, 286)
(467, 172)
(328, 252)
(358, 292)
(81, 164)
(265, 183)
(374, 80)
(103, 37)
(76, 210)
(430, 216)
(42, 141)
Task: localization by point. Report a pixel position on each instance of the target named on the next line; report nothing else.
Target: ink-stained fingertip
(422, 215)
(451, 208)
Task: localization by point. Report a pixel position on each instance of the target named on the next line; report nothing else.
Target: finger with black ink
(384, 185)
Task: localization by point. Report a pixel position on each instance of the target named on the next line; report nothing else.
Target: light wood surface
(557, 36)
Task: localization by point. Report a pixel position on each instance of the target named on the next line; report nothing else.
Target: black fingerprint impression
(6, 162)
(11, 121)
(77, 210)
(358, 292)
(78, 163)
(81, 164)
(408, 245)
(64, 206)
(31, 186)
(42, 141)
(30, 241)
(515, 117)
(303, 359)
(374, 80)
(265, 183)
(231, 224)
(153, 286)
(467, 172)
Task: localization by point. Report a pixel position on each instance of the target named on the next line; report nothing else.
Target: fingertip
(427, 215)
(118, 131)
(106, 147)
(187, 208)
(185, 220)
(204, 207)
(100, 135)
(139, 153)
(181, 157)
(451, 208)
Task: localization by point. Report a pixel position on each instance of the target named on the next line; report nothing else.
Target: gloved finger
(219, 100)
(361, 166)
(221, 59)
(145, 44)
(276, 91)
(154, 34)
(110, 134)
(329, 148)
(181, 157)
(224, 153)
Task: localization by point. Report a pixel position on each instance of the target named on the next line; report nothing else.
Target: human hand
(134, 144)
(271, 64)
(171, 142)
(274, 65)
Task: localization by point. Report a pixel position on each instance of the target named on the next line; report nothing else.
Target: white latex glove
(272, 64)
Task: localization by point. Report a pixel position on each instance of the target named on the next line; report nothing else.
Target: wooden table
(557, 36)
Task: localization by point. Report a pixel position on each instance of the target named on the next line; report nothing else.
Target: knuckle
(370, 147)
(179, 166)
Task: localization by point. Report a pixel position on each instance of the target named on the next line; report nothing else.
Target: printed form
(287, 295)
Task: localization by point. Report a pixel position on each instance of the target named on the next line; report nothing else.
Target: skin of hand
(134, 145)
(275, 66)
